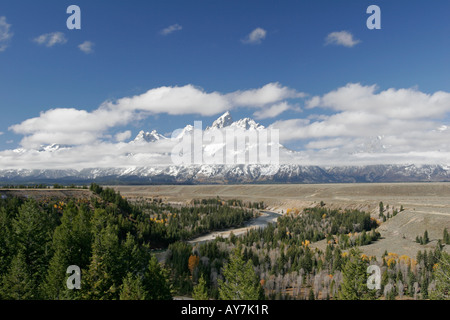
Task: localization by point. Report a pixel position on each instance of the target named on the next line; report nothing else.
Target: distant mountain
(220, 173)
(223, 174)
(226, 120)
(223, 121)
(144, 137)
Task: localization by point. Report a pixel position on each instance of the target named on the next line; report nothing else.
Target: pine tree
(381, 209)
(17, 283)
(354, 285)
(311, 294)
(103, 277)
(132, 288)
(200, 291)
(337, 260)
(63, 245)
(83, 237)
(411, 280)
(32, 238)
(6, 248)
(241, 281)
(133, 257)
(424, 286)
(426, 239)
(446, 237)
(419, 256)
(156, 281)
(442, 275)
(54, 287)
(389, 292)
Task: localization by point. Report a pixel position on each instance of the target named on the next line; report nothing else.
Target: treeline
(386, 213)
(43, 186)
(425, 239)
(230, 202)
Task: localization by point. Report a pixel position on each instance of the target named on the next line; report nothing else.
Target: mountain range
(225, 174)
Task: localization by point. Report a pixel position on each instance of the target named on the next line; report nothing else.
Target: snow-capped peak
(247, 124)
(226, 120)
(186, 130)
(223, 121)
(148, 136)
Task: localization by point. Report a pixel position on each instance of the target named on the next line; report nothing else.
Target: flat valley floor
(426, 206)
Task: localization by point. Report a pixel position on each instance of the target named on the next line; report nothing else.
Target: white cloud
(171, 29)
(361, 112)
(51, 39)
(341, 38)
(354, 124)
(87, 47)
(374, 127)
(272, 111)
(193, 100)
(5, 34)
(255, 37)
(393, 103)
(94, 155)
(122, 136)
(268, 94)
(175, 101)
(71, 126)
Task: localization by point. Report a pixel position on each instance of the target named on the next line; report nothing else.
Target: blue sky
(209, 50)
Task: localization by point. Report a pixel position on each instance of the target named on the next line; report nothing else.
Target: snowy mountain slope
(144, 137)
(201, 174)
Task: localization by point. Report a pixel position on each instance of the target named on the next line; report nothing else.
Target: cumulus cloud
(122, 136)
(188, 99)
(393, 103)
(51, 39)
(255, 37)
(374, 126)
(170, 29)
(341, 38)
(361, 111)
(268, 94)
(71, 126)
(87, 47)
(272, 111)
(5, 34)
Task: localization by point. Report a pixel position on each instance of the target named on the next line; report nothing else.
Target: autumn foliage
(193, 263)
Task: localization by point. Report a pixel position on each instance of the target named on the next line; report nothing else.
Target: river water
(262, 221)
